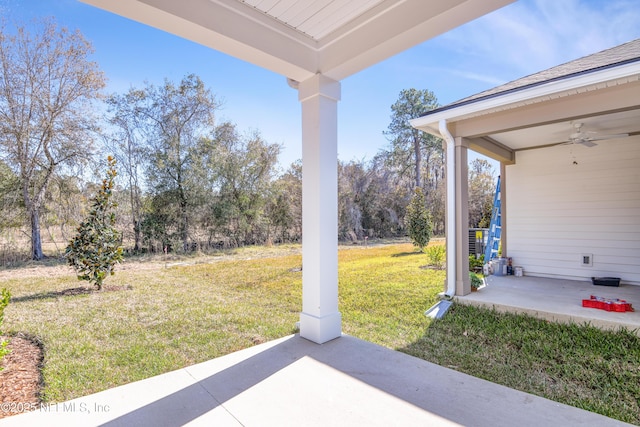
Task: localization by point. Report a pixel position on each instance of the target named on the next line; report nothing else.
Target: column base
(462, 288)
(321, 329)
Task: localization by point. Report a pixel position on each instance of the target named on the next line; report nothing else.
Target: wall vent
(587, 260)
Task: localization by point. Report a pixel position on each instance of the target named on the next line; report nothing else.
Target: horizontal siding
(558, 210)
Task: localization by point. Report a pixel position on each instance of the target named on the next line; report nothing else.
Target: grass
(383, 293)
(163, 314)
(578, 365)
(162, 319)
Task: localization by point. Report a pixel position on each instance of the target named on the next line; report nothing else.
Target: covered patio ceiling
(618, 123)
(555, 133)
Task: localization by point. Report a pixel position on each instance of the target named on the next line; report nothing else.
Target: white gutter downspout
(451, 207)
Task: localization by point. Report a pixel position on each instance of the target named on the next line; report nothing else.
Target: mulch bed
(20, 378)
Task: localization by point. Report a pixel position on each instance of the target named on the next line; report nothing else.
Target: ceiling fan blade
(583, 142)
(612, 136)
(587, 142)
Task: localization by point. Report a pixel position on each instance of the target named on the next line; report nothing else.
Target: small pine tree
(418, 221)
(95, 250)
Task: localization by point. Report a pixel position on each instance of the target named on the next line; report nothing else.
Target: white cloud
(484, 78)
(532, 35)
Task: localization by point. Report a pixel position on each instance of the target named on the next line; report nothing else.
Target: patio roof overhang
(301, 38)
(314, 44)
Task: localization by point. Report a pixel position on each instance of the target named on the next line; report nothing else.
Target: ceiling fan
(587, 138)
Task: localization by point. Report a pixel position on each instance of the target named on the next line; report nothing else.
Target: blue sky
(520, 39)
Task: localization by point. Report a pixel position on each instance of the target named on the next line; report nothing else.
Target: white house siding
(558, 210)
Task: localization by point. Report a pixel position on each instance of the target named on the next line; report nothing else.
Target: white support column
(504, 229)
(320, 320)
(463, 284)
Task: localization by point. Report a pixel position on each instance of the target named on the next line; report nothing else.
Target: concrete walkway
(557, 300)
(293, 382)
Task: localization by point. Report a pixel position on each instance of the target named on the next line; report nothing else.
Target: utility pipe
(451, 208)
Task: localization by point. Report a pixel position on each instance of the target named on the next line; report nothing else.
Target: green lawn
(574, 364)
(165, 316)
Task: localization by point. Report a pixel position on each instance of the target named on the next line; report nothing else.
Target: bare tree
(127, 142)
(47, 84)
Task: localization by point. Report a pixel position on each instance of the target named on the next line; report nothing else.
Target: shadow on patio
(557, 300)
(293, 382)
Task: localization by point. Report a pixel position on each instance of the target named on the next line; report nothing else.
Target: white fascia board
(229, 27)
(393, 27)
(519, 97)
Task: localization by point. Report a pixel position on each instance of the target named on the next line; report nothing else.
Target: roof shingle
(624, 53)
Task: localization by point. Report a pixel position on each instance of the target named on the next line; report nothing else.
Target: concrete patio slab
(294, 382)
(557, 300)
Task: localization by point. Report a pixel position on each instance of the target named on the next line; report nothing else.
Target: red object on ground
(607, 304)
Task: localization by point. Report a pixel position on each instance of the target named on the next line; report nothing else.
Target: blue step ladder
(495, 228)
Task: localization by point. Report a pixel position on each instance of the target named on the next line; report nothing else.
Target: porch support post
(320, 320)
(463, 284)
(503, 210)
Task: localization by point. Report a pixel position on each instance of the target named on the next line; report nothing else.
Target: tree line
(185, 181)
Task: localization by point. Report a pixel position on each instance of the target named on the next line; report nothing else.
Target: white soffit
(300, 38)
(316, 19)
